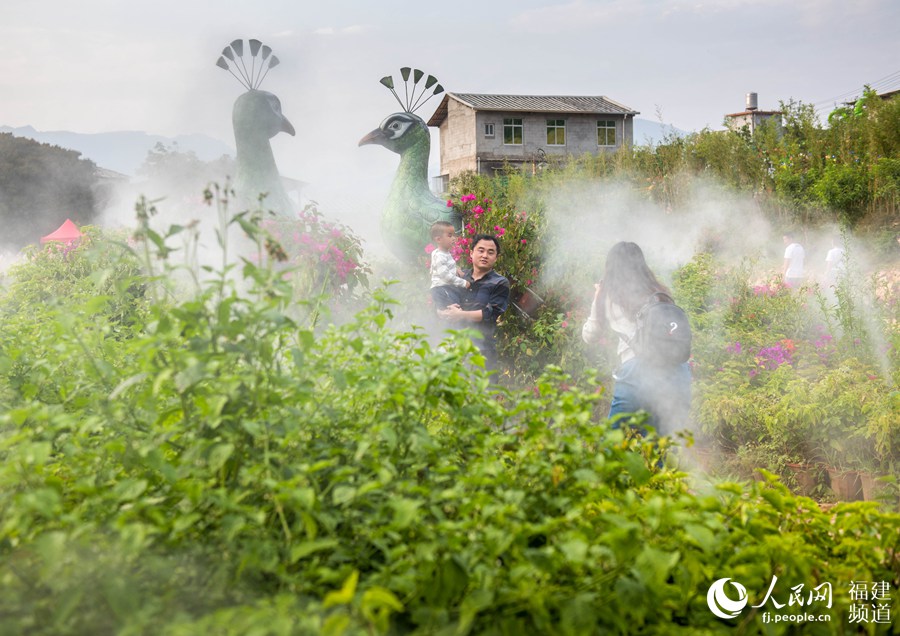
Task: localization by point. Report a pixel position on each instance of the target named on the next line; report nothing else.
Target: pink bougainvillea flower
(449, 203)
(478, 210)
(564, 324)
(734, 348)
(429, 248)
(523, 241)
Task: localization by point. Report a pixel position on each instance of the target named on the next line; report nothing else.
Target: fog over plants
(217, 420)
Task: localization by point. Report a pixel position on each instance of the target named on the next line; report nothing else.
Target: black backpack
(663, 335)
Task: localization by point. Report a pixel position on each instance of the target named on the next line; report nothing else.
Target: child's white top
(443, 270)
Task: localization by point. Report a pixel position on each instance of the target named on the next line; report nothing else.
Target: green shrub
(226, 469)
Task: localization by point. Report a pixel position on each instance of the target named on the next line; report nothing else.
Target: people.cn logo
(719, 602)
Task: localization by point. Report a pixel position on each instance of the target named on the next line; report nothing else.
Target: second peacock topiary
(411, 208)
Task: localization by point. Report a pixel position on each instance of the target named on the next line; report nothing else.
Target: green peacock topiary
(411, 208)
(256, 117)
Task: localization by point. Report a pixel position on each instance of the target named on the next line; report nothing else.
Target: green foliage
(40, 186)
(802, 374)
(222, 468)
(843, 187)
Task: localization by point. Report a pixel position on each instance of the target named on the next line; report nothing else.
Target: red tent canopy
(66, 233)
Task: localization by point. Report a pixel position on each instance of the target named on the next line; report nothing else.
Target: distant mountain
(648, 132)
(123, 151)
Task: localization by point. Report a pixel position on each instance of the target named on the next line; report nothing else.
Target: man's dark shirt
(490, 294)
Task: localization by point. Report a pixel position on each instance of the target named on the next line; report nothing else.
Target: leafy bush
(799, 373)
(224, 469)
(843, 188)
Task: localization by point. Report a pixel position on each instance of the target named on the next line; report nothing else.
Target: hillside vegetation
(41, 186)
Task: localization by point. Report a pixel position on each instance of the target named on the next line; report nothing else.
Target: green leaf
(377, 597)
(637, 468)
(335, 625)
(129, 489)
(575, 550)
(306, 548)
(127, 383)
(405, 512)
(345, 595)
(343, 494)
(654, 564)
(219, 454)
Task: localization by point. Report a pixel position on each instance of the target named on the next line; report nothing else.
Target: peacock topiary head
(399, 132)
(262, 111)
(256, 118)
(405, 130)
(411, 208)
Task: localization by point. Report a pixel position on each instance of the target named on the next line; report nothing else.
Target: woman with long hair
(662, 391)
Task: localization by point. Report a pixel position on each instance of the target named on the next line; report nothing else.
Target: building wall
(464, 145)
(753, 120)
(458, 139)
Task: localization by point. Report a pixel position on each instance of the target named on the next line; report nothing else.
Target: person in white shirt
(446, 279)
(793, 261)
(835, 265)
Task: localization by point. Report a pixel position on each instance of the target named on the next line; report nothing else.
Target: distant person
(486, 298)
(835, 264)
(446, 277)
(793, 261)
(663, 391)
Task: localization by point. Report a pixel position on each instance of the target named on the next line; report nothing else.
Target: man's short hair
(439, 227)
(486, 237)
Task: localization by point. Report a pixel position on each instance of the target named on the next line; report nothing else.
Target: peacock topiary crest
(411, 208)
(413, 102)
(234, 53)
(256, 118)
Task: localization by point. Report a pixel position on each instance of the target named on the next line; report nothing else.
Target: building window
(556, 132)
(489, 130)
(512, 132)
(606, 133)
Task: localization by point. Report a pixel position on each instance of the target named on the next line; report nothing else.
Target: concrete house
(481, 132)
(752, 117)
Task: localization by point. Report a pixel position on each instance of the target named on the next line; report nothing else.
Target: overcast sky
(104, 65)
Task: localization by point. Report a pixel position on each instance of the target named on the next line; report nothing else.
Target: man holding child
(486, 297)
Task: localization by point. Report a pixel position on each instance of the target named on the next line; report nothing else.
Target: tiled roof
(533, 104)
(755, 112)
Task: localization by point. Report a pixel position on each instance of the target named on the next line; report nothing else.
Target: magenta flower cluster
(773, 357)
(766, 290)
(319, 242)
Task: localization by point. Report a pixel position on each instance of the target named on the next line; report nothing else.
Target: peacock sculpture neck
(411, 208)
(256, 118)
